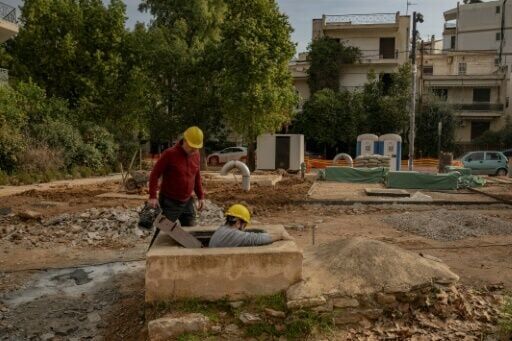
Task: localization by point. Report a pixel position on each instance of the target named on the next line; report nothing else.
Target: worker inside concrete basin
(179, 169)
(232, 233)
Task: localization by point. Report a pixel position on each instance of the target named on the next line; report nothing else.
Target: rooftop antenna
(408, 5)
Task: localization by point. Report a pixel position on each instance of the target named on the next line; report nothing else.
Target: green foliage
(386, 105)
(305, 322)
(505, 321)
(256, 88)
(329, 117)
(502, 137)
(327, 57)
(276, 302)
(431, 112)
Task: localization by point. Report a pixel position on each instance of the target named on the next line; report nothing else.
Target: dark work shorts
(185, 212)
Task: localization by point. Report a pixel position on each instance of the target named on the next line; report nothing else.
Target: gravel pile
(448, 225)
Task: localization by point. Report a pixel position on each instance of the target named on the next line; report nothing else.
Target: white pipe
(346, 157)
(246, 173)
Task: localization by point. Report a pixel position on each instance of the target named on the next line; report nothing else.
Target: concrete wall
(176, 273)
(302, 88)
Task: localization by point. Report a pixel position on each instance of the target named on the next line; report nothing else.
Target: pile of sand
(363, 266)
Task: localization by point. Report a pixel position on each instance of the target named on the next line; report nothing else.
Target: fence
(321, 164)
(7, 13)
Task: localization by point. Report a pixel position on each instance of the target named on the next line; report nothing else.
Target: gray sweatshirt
(226, 236)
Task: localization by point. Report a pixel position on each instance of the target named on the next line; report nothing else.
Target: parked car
(227, 154)
(486, 163)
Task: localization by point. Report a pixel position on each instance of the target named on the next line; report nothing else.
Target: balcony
(375, 57)
(478, 107)
(4, 76)
(8, 22)
(360, 21)
(8, 13)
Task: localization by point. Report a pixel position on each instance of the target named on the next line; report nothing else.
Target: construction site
(366, 263)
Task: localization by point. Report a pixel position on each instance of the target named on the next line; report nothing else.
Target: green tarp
(463, 171)
(415, 180)
(355, 175)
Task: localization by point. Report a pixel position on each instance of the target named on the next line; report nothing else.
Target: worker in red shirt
(179, 169)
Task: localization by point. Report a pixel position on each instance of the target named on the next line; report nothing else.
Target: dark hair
(230, 220)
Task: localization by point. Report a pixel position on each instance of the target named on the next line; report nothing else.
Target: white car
(228, 154)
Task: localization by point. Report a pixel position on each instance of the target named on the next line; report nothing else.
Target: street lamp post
(416, 17)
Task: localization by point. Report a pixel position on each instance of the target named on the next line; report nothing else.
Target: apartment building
(477, 55)
(471, 83)
(8, 29)
(383, 39)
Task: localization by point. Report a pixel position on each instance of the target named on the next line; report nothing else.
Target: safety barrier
(321, 164)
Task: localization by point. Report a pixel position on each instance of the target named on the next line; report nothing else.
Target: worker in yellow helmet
(178, 167)
(232, 233)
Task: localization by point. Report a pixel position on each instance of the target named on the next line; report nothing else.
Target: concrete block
(173, 272)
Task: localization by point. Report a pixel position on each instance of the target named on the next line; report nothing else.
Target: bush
(12, 144)
(89, 156)
(102, 140)
(40, 159)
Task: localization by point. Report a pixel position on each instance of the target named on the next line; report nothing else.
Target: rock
(29, 215)
(385, 299)
(167, 328)
(328, 307)
(236, 304)
(47, 336)
(275, 313)
(216, 329)
(232, 329)
(93, 317)
(75, 228)
(371, 314)
(248, 318)
(442, 297)
(347, 318)
(345, 302)
(306, 302)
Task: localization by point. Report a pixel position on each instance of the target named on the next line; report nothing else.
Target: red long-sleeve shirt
(180, 175)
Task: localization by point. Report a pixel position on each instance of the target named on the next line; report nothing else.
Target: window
(478, 128)
(498, 36)
(498, 9)
(492, 156)
(462, 68)
(476, 157)
(482, 95)
(428, 70)
(452, 42)
(387, 48)
(440, 93)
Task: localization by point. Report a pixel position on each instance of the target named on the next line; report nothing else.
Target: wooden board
(386, 192)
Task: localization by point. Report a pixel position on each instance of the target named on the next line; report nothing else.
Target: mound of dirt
(360, 266)
(449, 225)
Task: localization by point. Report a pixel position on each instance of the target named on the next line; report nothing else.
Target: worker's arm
(198, 189)
(283, 235)
(155, 175)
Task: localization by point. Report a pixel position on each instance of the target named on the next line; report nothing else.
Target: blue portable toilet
(391, 145)
(367, 144)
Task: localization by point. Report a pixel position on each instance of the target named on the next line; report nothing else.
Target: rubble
(168, 328)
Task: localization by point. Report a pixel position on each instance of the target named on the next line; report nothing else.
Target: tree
(386, 102)
(431, 112)
(257, 95)
(327, 57)
(329, 118)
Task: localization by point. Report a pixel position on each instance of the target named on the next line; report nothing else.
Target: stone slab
(174, 273)
(386, 192)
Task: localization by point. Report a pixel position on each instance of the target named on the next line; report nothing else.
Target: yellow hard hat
(194, 137)
(239, 211)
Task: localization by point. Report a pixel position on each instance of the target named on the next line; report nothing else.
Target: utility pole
(416, 17)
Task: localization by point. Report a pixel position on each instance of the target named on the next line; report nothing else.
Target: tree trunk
(251, 157)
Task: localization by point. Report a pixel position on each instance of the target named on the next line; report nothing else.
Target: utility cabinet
(280, 151)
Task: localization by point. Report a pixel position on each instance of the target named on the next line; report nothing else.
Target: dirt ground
(111, 304)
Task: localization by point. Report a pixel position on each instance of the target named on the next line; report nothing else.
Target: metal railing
(4, 75)
(479, 106)
(8, 13)
(375, 55)
(449, 25)
(361, 19)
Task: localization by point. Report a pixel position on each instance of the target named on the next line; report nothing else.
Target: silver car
(228, 154)
(486, 163)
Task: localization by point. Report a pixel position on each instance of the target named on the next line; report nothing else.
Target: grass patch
(276, 302)
(305, 322)
(506, 320)
(261, 328)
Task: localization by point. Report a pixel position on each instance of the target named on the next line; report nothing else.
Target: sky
(301, 12)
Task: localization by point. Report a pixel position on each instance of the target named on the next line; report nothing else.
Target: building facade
(383, 39)
(8, 29)
(477, 56)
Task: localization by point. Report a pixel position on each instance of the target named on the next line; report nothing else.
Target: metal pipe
(246, 173)
(347, 157)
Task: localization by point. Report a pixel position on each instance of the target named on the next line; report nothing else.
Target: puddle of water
(69, 282)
